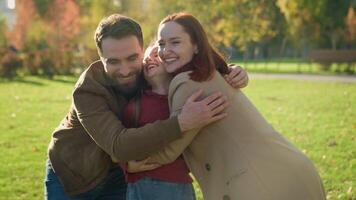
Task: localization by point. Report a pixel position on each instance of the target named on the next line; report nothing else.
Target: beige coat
(240, 157)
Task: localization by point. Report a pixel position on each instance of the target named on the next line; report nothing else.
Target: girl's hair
(207, 59)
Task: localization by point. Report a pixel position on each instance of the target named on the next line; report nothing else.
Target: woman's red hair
(207, 59)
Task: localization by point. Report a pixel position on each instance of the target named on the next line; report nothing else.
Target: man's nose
(124, 70)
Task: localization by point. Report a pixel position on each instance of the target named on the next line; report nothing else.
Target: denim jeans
(151, 189)
(113, 187)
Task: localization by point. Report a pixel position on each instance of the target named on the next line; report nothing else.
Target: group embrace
(141, 122)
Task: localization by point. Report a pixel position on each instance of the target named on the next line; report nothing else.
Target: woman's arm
(172, 151)
(180, 92)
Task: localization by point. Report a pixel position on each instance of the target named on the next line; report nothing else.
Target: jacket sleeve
(107, 131)
(180, 91)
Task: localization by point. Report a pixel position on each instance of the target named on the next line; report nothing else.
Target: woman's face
(152, 66)
(175, 48)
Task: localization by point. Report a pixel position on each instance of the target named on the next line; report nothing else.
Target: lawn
(319, 117)
(293, 66)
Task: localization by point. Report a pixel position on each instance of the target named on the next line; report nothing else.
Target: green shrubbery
(9, 64)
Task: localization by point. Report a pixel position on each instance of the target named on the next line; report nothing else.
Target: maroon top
(154, 107)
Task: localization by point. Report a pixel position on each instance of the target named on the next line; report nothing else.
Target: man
(82, 147)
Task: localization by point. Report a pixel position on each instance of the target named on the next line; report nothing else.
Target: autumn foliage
(56, 36)
(47, 41)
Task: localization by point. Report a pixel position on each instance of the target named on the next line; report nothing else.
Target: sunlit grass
(319, 117)
(294, 66)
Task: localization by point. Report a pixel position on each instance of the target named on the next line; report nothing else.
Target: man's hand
(134, 166)
(237, 77)
(197, 114)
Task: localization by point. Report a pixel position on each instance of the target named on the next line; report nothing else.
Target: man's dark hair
(117, 26)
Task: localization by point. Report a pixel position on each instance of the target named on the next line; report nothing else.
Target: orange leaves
(25, 12)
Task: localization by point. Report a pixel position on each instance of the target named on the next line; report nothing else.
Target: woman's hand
(237, 77)
(135, 166)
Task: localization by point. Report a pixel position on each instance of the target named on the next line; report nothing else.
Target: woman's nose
(165, 51)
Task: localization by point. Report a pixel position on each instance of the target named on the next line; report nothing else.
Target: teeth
(126, 78)
(170, 59)
(151, 66)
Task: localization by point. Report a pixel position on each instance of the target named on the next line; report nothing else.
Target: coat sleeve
(180, 90)
(107, 131)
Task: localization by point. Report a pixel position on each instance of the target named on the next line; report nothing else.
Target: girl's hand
(135, 166)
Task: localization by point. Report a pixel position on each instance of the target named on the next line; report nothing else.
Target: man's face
(122, 60)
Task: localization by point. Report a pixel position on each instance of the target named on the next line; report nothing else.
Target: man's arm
(107, 131)
(237, 78)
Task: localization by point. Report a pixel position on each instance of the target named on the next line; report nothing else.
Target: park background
(46, 44)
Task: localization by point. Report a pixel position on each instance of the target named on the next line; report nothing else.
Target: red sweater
(154, 107)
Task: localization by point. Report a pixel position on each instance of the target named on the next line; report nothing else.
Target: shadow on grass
(295, 72)
(40, 80)
(66, 79)
(21, 80)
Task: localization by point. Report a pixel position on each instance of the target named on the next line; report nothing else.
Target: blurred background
(300, 56)
(48, 37)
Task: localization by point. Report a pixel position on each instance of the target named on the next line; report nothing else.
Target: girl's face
(175, 48)
(151, 64)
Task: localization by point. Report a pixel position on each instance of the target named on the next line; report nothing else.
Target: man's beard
(127, 91)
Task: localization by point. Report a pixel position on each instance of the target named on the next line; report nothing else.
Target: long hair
(207, 59)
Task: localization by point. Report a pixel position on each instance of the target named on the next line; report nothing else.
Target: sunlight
(11, 4)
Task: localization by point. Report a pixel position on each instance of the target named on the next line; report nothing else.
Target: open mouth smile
(170, 60)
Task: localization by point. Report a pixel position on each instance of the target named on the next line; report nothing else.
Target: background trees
(56, 36)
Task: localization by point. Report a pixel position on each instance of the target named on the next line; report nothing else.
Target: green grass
(293, 66)
(319, 117)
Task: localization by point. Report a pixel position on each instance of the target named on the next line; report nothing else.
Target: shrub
(9, 64)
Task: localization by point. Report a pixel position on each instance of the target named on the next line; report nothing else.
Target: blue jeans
(113, 187)
(152, 189)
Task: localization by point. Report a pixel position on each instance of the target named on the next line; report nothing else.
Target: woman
(147, 180)
(240, 157)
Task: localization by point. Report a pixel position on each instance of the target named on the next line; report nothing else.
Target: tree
(238, 23)
(3, 33)
(25, 12)
(63, 18)
(321, 23)
(351, 27)
(42, 6)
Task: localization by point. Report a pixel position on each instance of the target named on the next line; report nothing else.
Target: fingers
(237, 78)
(142, 165)
(241, 83)
(217, 102)
(141, 162)
(211, 98)
(235, 72)
(195, 96)
(217, 117)
(147, 167)
(219, 109)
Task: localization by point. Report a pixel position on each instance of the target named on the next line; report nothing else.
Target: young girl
(170, 181)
